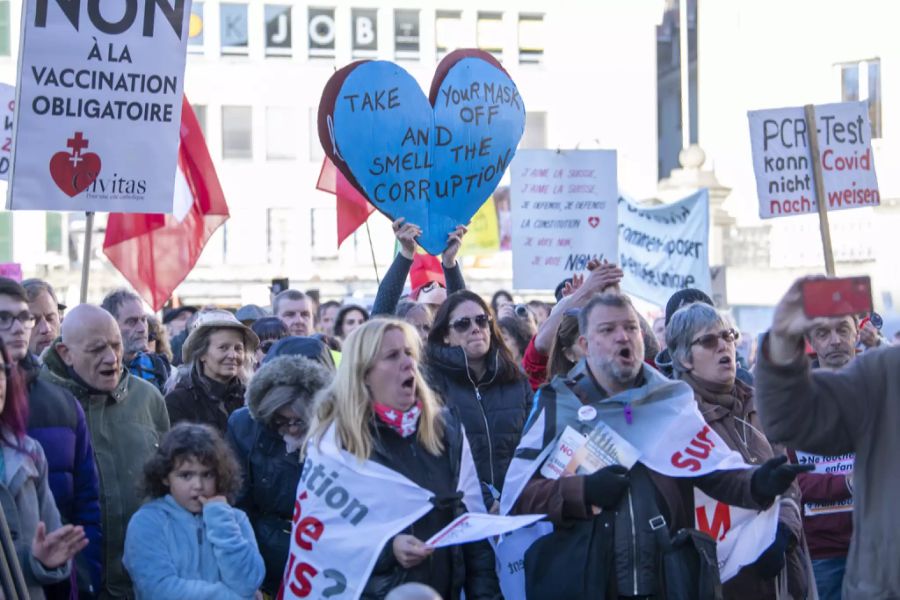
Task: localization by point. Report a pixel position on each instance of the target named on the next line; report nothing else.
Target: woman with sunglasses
(266, 437)
(269, 330)
(702, 344)
(473, 370)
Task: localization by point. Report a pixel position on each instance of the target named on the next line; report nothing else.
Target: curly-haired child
(187, 541)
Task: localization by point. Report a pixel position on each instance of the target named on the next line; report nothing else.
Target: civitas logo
(118, 186)
(74, 171)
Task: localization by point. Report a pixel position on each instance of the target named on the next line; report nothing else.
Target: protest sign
(432, 160)
(563, 213)
(11, 271)
(741, 534)
(665, 248)
(782, 159)
(474, 527)
(7, 109)
(828, 465)
(100, 88)
(484, 233)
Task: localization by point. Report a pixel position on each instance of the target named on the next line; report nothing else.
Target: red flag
(155, 252)
(352, 207)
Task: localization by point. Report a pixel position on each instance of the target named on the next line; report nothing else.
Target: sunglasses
(281, 423)
(463, 324)
(710, 341)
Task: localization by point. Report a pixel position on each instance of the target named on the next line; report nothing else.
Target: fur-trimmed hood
(306, 376)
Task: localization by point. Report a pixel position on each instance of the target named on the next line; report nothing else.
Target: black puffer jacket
(450, 570)
(199, 399)
(493, 411)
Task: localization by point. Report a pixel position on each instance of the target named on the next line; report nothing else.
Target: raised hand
(406, 234)
(789, 323)
(454, 243)
(55, 549)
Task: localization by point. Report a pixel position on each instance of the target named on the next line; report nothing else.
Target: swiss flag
(155, 252)
(352, 207)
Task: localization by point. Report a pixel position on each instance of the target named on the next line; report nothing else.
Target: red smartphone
(837, 297)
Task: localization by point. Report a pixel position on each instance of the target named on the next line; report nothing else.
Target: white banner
(474, 527)
(100, 87)
(741, 535)
(563, 214)
(7, 110)
(665, 248)
(782, 159)
(828, 465)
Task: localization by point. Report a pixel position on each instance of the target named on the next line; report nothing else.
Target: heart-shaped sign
(74, 173)
(593, 221)
(433, 161)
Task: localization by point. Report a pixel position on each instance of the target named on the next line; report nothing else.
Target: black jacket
(199, 399)
(269, 489)
(492, 411)
(450, 570)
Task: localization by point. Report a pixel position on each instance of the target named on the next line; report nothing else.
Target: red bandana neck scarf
(404, 423)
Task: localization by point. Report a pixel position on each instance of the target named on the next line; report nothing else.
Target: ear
(583, 344)
(165, 481)
(64, 353)
(688, 364)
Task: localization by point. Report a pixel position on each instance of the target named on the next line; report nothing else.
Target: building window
(4, 28)
(282, 241)
(278, 30)
(316, 154)
(490, 33)
(862, 81)
(535, 136)
(531, 39)
(237, 132)
(406, 34)
(323, 232)
(6, 236)
(448, 32)
(200, 114)
(53, 232)
(233, 27)
(281, 133)
(195, 28)
(365, 32)
(321, 32)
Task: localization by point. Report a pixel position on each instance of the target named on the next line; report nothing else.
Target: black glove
(771, 561)
(773, 478)
(605, 487)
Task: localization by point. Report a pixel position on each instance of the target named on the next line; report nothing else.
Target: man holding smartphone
(854, 409)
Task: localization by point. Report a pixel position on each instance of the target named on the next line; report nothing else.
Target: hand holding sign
(433, 161)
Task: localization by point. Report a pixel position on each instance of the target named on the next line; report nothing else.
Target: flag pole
(86, 258)
(372, 249)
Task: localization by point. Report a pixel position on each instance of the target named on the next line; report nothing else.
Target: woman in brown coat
(702, 342)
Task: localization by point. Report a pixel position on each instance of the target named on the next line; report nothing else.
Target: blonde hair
(347, 403)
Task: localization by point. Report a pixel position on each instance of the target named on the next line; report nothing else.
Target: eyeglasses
(282, 423)
(710, 341)
(7, 318)
(463, 324)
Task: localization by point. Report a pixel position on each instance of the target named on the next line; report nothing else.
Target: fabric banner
(828, 465)
(99, 106)
(741, 534)
(665, 248)
(474, 527)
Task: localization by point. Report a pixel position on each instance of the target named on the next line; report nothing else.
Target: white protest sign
(741, 534)
(563, 212)
(782, 159)
(100, 87)
(828, 465)
(665, 248)
(7, 106)
(474, 527)
(346, 511)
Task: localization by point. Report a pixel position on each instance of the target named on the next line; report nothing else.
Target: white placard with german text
(563, 213)
(838, 465)
(100, 86)
(782, 159)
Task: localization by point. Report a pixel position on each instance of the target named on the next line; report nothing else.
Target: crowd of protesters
(148, 459)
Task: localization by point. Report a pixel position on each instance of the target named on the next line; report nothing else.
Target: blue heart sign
(432, 160)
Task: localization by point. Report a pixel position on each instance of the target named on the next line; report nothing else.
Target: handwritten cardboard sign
(782, 159)
(100, 87)
(7, 113)
(665, 248)
(563, 213)
(433, 160)
(11, 271)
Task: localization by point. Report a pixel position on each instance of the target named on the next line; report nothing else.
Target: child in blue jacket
(188, 542)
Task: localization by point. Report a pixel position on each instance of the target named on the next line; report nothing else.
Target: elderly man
(624, 510)
(128, 310)
(44, 306)
(295, 309)
(126, 417)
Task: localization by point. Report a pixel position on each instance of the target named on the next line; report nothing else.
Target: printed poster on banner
(7, 106)
(828, 465)
(782, 159)
(563, 213)
(100, 88)
(663, 249)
